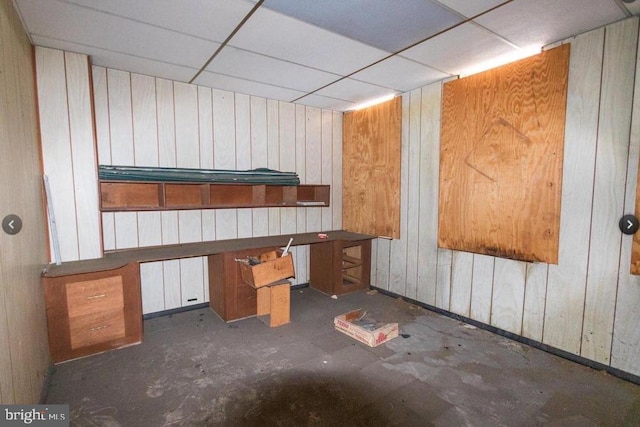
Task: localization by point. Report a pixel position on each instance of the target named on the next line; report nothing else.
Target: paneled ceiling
(331, 54)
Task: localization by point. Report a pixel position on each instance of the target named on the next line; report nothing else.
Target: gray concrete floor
(194, 369)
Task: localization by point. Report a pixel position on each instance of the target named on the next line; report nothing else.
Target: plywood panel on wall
(501, 159)
(371, 169)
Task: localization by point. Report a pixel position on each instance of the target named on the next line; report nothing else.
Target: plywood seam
(493, 279)
(598, 146)
(544, 309)
(593, 186)
(473, 260)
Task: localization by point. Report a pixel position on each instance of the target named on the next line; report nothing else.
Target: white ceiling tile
(537, 23)
(279, 36)
(210, 19)
(68, 22)
(399, 74)
(319, 101)
(455, 52)
(388, 25)
(471, 8)
(240, 63)
(248, 87)
(119, 61)
(354, 91)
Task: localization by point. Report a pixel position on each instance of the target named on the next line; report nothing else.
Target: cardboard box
(273, 267)
(344, 323)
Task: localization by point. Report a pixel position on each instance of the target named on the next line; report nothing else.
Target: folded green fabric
(163, 174)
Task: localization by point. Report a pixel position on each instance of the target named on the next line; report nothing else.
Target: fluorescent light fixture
(501, 60)
(374, 102)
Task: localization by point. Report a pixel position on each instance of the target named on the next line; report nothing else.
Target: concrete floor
(194, 369)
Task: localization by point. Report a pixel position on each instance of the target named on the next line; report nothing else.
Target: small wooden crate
(273, 267)
(274, 303)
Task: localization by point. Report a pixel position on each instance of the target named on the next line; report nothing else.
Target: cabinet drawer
(96, 328)
(94, 296)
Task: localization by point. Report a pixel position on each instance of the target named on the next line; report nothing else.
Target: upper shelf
(153, 196)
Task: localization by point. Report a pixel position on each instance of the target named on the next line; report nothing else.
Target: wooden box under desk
(340, 266)
(229, 296)
(89, 313)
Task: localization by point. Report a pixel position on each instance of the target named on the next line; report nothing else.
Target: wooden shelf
(152, 196)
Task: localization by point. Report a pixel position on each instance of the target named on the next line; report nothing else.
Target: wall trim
(519, 338)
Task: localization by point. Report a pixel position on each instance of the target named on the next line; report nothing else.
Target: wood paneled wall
(147, 121)
(68, 151)
(588, 303)
(24, 353)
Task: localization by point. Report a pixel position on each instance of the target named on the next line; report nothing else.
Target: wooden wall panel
(83, 155)
(313, 163)
(413, 192)
(534, 300)
(508, 295)
(144, 114)
(397, 247)
(625, 348)
(302, 253)
(501, 159)
(428, 194)
(371, 158)
(101, 112)
(224, 156)
(461, 276)
(260, 218)
(567, 279)
(287, 160)
(443, 279)
(612, 153)
(482, 288)
(273, 157)
(24, 358)
(120, 119)
(56, 149)
(549, 302)
(145, 124)
(243, 156)
(336, 164)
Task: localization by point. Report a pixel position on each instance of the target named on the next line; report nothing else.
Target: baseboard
(519, 338)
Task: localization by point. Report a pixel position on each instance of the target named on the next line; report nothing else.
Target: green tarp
(157, 174)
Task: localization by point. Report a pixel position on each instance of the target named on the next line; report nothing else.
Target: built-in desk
(115, 318)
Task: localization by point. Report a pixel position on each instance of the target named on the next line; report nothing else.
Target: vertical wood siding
(24, 354)
(588, 303)
(146, 121)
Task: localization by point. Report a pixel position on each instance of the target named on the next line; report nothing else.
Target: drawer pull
(97, 328)
(192, 299)
(97, 296)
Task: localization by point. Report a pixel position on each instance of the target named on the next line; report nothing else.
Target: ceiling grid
(332, 54)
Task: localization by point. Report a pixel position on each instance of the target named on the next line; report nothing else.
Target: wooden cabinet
(229, 296)
(92, 312)
(339, 267)
(139, 196)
